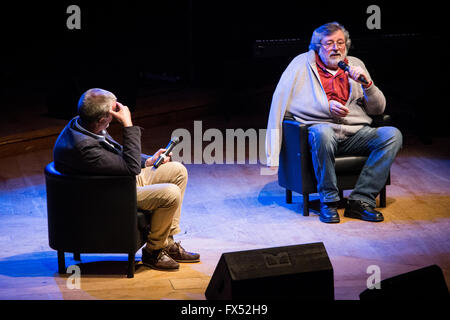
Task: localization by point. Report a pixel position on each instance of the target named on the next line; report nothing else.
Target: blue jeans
(380, 145)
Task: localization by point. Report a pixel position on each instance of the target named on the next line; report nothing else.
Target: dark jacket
(76, 152)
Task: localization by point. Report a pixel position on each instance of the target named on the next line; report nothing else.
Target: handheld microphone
(164, 155)
(345, 67)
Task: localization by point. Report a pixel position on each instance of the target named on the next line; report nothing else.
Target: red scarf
(336, 87)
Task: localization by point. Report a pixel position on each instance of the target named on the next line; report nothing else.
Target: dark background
(234, 46)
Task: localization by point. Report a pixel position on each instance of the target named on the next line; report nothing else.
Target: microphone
(169, 148)
(345, 67)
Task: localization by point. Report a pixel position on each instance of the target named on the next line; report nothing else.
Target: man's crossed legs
(162, 190)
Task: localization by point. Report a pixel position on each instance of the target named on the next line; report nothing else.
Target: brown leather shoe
(177, 253)
(159, 260)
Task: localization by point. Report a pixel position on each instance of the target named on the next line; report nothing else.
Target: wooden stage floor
(230, 208)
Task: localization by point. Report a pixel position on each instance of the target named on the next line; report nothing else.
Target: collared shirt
(336, 86)
(101, 138)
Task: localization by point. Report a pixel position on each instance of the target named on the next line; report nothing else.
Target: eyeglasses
(330, 44)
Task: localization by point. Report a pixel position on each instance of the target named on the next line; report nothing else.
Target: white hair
(325, 30)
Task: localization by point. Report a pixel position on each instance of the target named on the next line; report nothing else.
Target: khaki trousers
(162, 190)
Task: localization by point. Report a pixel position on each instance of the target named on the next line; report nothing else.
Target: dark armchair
(296, 171)
(94, 214)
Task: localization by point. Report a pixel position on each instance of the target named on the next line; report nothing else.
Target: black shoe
(328, 212)
(362, 210)
(177, 253)
(159, 260)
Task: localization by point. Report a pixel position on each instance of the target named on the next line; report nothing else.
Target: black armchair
(296, 171)
(94, 214)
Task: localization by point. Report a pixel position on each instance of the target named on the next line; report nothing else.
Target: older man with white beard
(337, 105)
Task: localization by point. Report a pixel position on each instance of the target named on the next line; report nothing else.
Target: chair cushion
(349, 164)
(143, 219)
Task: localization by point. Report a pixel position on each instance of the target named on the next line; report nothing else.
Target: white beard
(331, 62)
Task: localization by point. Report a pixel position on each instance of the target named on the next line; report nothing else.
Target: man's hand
(150, 161)
(337, 109)
(122, 114)
(355, 72)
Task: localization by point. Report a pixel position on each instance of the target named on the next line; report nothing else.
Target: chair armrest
(295, 158)
(381, 120)
(295, 136)
(377, 121)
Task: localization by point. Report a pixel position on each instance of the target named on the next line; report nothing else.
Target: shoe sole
(187, 261)
(329, 221)
(358, 216)
(160, 269)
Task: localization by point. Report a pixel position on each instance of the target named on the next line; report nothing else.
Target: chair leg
(288, 196)
(383, 197)
(342, 201)
(76, 256)
(130, 273)
(306, 204)
(61, 262)
(341, 194)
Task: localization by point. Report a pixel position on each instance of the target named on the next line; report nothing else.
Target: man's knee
(176, 168)
(179, 167)
(397, 136)
(392, 136)
(172, 195)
